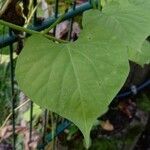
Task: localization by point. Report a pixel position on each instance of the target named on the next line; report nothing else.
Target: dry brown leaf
(106, 125)
(7, 131)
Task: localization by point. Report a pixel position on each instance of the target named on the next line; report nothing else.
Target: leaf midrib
(78, 86)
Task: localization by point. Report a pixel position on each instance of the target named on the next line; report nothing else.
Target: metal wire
(71, 21)
(35, 13)
(12, 91)
(31, 120)
(139, 88)
(56, 14)
(31, 103)
(45, 125)
(60, 128)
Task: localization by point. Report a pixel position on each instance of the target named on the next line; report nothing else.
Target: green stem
(16, 27)
(53, 38)
(93, 4)
(19, 28)
(54, 24)
(99, 5)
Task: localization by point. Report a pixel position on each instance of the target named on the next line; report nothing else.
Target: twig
(32, 13)
(17, 108)
(4, 7)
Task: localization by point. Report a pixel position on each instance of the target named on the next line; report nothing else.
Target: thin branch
(17, 108)
(4, 6)
(30, 16)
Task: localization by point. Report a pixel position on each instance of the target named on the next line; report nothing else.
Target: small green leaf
(37, 111)
(141, 57)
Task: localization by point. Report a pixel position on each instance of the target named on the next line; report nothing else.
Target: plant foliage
(5, 89)
(78, 80)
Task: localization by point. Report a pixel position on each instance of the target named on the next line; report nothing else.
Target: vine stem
(54, 24)
(19, 28)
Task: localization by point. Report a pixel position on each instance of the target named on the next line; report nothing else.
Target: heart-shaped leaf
(76, 80)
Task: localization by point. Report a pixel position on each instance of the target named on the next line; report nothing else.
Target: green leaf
(76, 80)
(129, 20)
(37, 111)
(141, 57)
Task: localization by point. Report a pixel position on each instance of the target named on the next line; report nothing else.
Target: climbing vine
(78, 80)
